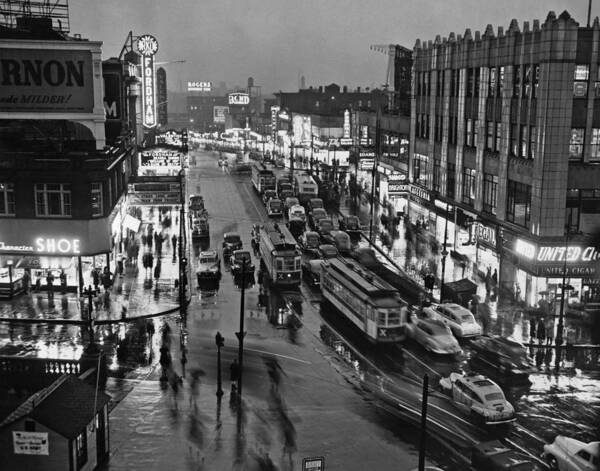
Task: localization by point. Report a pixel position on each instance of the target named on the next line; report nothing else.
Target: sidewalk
(133, 295)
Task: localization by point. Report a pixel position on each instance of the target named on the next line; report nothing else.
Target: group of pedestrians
(542, 329)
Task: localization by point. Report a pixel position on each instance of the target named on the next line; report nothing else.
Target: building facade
(505, 154)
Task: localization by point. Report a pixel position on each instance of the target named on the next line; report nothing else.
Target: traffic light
(184, 140)
(219, 340)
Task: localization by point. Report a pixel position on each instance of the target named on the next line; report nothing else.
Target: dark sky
(276, 41)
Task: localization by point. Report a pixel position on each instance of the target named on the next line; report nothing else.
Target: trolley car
(279, 255)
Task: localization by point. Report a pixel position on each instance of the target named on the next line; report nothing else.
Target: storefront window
(97, 206)
(52, 199)
(468, 196)
(518, 208)
(576, 143)
(490, 192)
(7, 199)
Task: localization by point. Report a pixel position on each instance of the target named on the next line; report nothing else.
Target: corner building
(505, 154)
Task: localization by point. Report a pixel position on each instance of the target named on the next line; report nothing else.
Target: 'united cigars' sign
(46, 80)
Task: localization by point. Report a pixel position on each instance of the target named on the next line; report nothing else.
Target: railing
(34, 373)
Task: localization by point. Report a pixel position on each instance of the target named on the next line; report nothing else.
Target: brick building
(505, 153)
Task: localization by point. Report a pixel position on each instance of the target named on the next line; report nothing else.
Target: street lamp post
(220, 341)
(444, 255)
(10, 278)
(182, 244)
(560, 328)
(241, 334)
(89, 292)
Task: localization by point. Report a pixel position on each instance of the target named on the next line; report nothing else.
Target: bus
(369, 302)
(305, 188)
(280, 257)
(262, 178)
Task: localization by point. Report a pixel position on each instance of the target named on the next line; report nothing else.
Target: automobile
(309, 241)
(460, 320)
(434, 336)
(502, 359)
(314, 203)
(350, 223)
(241, 168)
(479, 397)
(285, 194)
(324, 226)
(311, 272)
(283, 184)
(290, 201)
(316, 215)
(267, 195)
(569, 454)
(237, 260)
(340, 239)
(297, 211)
(274, 207)
(209, 265)
(200, 228)
(196, 203)
(365, 256)
(326, 251)
(495, 456)
(296, 227)
(280, 163)
(223, 162)
(232, 241)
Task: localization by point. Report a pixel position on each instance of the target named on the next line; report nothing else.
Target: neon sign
(525, 249)
(239, 99)
(346, 127)
(572, 254)
(148, 46)
(49, 245)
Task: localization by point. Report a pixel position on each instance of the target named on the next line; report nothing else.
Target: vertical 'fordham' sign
(147, 46)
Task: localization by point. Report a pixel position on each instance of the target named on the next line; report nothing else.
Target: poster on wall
(30, 443)
(46, 81)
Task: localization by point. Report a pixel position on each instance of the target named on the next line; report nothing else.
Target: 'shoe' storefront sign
(45, 245)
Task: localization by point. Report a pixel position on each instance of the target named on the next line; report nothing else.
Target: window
(576, 144)
(477, 83)
(517, 81)
(518, 207)
(52, 199)
(536, 80)
(452, 125)
(418, 83)
(451, 181)
(469, 132)
(500, 80)
(475, 132)
(514, 137)
(490, 193)
(595, 145)
(527, 82)
(438, 86)
(532, 141)
(590, 201)
(524, 140)
(468, 194)
(489, 142)
(492, 87)
(420, 169)
(96, 194)
(470, 81)
(454, 82)
(436, 175)
(7, 199)
(580, 80)
(81, 449)
(498, 139)
(597, 84)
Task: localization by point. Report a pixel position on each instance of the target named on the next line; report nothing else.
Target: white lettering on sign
(366, 154)
(160, 158)
(346, 128)
(148, 92)
(485, 233)
(367, 164)
(420, 192)
(525, 249)
(239, 98)
(52, 245)
(30, 443)
(572, 254)
(199, 86)
(397, 188)
(15, 248)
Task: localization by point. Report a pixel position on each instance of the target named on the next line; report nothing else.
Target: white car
(479, 396)
(433, 335)
(568, 454)
(297, 211)
(460, 320)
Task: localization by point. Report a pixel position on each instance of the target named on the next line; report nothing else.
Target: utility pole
(423, 442)
(220, 341)
(560, 328)
(374, 171)
(241, 334)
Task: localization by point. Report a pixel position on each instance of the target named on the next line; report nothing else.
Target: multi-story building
(505, 153)
(66, 154)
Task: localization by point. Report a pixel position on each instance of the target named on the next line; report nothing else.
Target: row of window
(51, 199)
(576, 144)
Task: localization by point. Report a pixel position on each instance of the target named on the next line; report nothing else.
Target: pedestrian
(174, 244)
(120, 268)
(158, 241)
(95, 278)
(495, 280)
(26, 280)
(474, 304)
(165, 362)
(143, 239)
(50, 281)
(550, 330)
(532, 329)
(107, 279)
(234, 372)
(541, 331)
(488, 280)
(157, 269)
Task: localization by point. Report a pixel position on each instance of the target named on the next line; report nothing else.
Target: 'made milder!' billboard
(46, 80)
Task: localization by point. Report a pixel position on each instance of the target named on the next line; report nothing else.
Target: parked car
(209, 266)
(502, 359)
(316, 215)
(200, 228)
(479, 397)
(280, 163)
(460, 320)
(274, 208)
(569, 454)
(349, 224)
(326, 251)
(267, 195)
(340, 239)
(297, 211)
(365, 256)
(311, 272)
(314, 203)
(495, 456)
(434, 336)
(309, 241)
(285, 194)
(232, 241)
(325, 226)
(237, 260)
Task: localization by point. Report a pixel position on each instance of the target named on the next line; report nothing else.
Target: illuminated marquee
(239, 99)
(199, 86)
(46, 245)
(550, 254)
(346, 124)
(147, 45)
